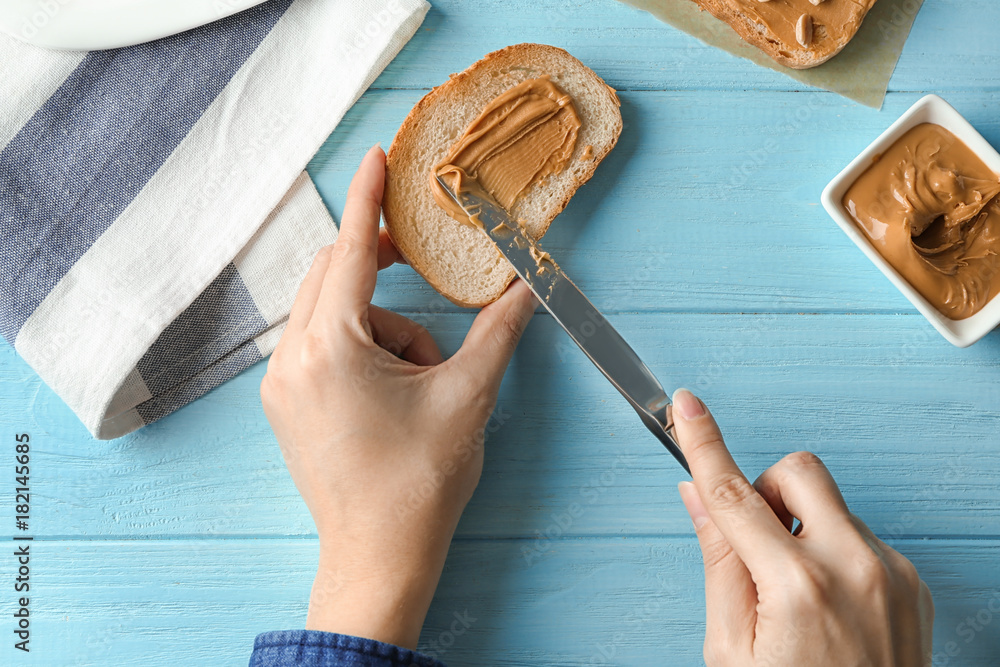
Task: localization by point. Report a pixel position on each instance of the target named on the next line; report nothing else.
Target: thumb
(730, 594)
(494, 335)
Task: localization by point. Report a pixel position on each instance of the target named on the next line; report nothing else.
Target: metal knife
(575, 313)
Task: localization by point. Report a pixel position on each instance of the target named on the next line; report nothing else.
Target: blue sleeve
(288, 648)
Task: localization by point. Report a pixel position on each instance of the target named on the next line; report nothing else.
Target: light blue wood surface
(703, 239)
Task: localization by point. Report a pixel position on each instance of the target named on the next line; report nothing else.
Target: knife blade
(588, 328)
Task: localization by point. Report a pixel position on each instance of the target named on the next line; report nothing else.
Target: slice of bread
(770, 25)
(458, 260)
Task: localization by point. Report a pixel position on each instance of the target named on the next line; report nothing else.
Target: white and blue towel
(155, 219)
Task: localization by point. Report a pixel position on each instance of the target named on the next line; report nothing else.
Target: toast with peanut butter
(530, 123)
(797, 33)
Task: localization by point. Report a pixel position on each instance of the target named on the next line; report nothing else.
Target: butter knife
(574, 312)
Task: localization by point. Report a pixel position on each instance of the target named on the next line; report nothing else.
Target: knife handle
(661, 424)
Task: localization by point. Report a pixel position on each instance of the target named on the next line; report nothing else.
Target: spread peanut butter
(822, 27)
(523, 136)
(929, 206)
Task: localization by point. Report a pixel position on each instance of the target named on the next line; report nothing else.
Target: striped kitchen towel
(155, 219)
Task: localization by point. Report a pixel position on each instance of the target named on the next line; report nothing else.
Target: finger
(896, 561)
(387, 252)
(801, 486)
(926, 605)
(880, 548)
(744, 518)
(730, 594)
(494, 334)
(350, 281)
(305, 300)
(773, 499)
(403, 337)
(918, 617)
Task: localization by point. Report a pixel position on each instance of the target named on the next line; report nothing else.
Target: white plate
(108, 24)
(930, 109)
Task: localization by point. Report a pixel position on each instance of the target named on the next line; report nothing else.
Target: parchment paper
(860, 72)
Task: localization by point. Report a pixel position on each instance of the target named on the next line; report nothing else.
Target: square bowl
(930, 109)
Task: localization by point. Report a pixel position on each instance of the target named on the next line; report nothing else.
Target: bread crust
(403, 148)
(790, 55)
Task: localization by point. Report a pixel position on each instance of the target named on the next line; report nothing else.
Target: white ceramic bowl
(107, 24)
(930, 109)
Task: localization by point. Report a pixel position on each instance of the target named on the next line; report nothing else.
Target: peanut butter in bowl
(929, 206)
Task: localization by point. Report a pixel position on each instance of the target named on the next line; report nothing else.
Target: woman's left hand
(383, 438)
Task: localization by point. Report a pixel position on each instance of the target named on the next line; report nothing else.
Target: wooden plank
(685, 217)
(595, 601)
(674, 239)
(907, 423)
(634, 51)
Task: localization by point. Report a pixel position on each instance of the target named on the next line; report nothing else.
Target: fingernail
(377, 145)
(692, 503)
(687, 405)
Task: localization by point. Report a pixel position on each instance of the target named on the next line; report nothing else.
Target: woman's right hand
(831, 594)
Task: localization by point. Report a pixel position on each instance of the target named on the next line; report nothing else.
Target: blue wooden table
(703, 240)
